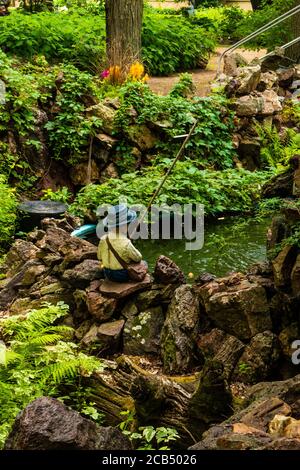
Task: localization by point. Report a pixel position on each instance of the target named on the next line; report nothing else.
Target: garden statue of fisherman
(121, 261)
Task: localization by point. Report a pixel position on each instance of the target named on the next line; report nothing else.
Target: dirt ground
(202, 78)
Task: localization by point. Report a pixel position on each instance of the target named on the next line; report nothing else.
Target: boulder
(267, 80)
(221, 347)
(286, 338)
(236, 305)
(279, 186)
(79, 173)
(295, 276)
(82, 274)
(47, 424)
(276, 232)
(106, 140)
(141, 136)
(20, 252)
(109, 172)
(275, 60)
(105, 338)
(101, 308)
(212, 397)
(232, 62)
(259, 359)
(285, 76)
(248, 78)
(249, 153)
(142, 332)
(106, 114)
(179, 333)
(124, 289)
(167, 272)
(264, 104)
(283, 265)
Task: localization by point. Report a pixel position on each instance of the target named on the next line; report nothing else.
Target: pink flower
(105, 73)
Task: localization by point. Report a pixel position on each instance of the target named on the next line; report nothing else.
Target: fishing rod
(170, 169)
(90, 229)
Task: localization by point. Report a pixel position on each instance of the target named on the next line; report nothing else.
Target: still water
(230, 245)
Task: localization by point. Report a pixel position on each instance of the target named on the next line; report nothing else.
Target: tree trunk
(293, 52)
(123, 32)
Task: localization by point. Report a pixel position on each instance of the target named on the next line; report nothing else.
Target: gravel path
(202, 78)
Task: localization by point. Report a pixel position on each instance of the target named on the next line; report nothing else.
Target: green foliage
(147, 437)
(38, 358)
(277, 35)
(184, 88)
(231, 191)
(70, 129)
(62, 194)
(173, 43)
(211, 144)
(223, 21)
(169, 43)
(277, 150)
(8, 213)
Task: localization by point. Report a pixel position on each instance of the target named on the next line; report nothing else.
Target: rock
(212, 398)
(258, 360)
(264, 104)
(142, 332)
(286, 338)
(249, 153)
(248, 78)
(124, 289)
(109, 335)
(109, 172)
(236, 305)
(82, 330)
(283, 265)
(221, 347)
(32, 273)
(79, 173)
(296, 177)
(232, 62)
(106, 114)
(267, 80)
(295, 276)
(20, 252)
(105, 338)
(167, 272)
(279, 186)
(47, 424)
(276, 232)
(285, 76)
(100, 307)
(141, 136)
(179, 333)
(274, 61)
(82, 274)
(106, 140)
(130, 309)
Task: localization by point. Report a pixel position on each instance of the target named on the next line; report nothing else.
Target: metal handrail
(285, 46)
(262, 29)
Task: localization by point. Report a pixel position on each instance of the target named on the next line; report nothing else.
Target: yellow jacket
(123, 247)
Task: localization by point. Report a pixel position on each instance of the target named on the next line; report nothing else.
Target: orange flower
(136, 71)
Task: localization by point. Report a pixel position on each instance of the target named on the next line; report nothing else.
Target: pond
(230, 244)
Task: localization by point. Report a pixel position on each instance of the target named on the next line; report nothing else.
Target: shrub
(223, 21)
(277, 35)
(231, 191)
(169, 43)
(211, 144)
(8, 213)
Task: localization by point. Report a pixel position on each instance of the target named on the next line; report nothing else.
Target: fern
(39, 359)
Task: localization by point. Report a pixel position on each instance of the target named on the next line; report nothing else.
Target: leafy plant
(231, 191)
(62, 194)
(8, 212)
(147, 437)
(38, 358)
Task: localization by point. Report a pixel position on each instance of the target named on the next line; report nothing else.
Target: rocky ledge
(177, 354)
